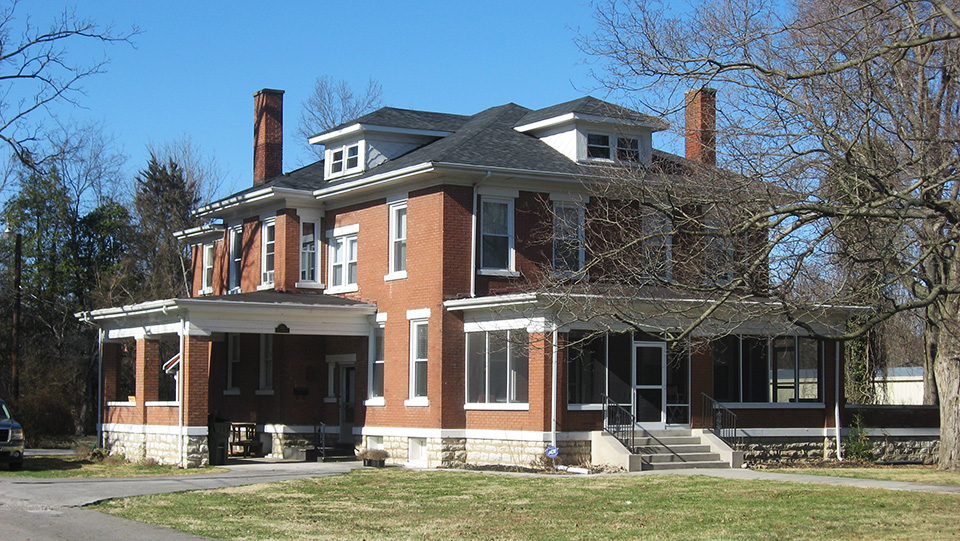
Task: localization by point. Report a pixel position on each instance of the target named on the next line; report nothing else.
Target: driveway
(51, 508)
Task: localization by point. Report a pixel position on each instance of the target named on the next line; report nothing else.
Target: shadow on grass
(53, 463)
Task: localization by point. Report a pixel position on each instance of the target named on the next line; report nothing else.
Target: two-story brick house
(384, 295)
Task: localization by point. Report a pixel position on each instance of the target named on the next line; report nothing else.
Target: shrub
(46, 417)
(114, 460)
(149, 463)
(857, 445)
(98, 454)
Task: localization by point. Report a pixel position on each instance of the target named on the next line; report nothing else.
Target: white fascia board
(164, 306)
(482, 303)
(283, 197)
(359, 128)
(547, 123)
(231, 202)
(200, 233)
(323, 193)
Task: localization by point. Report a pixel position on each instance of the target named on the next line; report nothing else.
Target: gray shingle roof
(407, 118)
(589, 105)
(284, 297)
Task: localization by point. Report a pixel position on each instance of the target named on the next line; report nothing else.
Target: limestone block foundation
(162, 445)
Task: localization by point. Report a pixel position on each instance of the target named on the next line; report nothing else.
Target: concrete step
(684, 465)
(677, 449)
(666, 440)
(686, 457)
(666, 433)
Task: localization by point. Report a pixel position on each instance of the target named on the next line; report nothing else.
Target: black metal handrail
(619, 422)
(715, 417)
(322, 442)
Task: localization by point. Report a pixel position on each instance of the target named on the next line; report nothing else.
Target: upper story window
(657, 244)
(308, 252)
(598, 146)
(628, 149)
(342, 273)
(268, 240)
(344, 159)
(207, 285)
(397, 251)
(496, 234)
(568, 253)
(235, 266)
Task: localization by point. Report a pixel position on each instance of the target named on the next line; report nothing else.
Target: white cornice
(354, 129)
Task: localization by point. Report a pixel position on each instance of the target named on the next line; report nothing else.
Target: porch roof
(260, 312)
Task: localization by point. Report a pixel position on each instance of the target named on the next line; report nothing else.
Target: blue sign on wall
(552, 452)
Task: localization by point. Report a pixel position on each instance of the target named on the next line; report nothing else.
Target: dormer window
(628, 149)
(345, 159)
(598, 146)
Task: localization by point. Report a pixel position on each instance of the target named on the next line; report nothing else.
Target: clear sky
(196, 64)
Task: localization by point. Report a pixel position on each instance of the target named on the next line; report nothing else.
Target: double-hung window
(657, 244)
(418, 356)
(598, 146)
(496, 234)
(268, 246)
(266, 362)
(397, 251)
(377, 363)
(343, 259)
(628, 149)
(568, 234)
(308, 252)
(344, 159)
(497, 367)
(207, 285)
(236, 261)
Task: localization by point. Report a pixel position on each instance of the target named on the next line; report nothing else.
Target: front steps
(664, 450)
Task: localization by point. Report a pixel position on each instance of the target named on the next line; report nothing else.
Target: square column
(147, 375)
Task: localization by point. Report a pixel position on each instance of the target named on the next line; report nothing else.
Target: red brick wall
(147, 374)
(110, 366)
(195, 369)
(267, 135)
(700, 125)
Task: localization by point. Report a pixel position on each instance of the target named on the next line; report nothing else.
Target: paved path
(33, 508)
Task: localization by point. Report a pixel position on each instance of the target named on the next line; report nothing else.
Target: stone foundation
(919, 449)
(162, 447)
(457, 452)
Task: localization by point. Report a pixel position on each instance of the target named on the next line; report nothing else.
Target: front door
(649, 384)
(347, 380)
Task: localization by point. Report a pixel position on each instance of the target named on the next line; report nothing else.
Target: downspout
(553, 393)
(180, 397)
(100, 388)
(836, 400)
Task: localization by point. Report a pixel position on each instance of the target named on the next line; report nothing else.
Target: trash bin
(219, 441)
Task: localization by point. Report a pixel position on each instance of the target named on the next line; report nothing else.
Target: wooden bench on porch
(244, 440)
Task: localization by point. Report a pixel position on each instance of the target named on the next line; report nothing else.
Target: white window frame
(377, 356)
(266, 364)
(509, 270)
(343, 236)
(470, 403)
(558, 206)
(233, 362)
(235, 265)
(395, 239)
(309, 253)
(207, 277)
(267, 276)
(418, 319)
(345, 159)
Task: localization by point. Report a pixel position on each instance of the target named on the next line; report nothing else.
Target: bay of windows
(497, 367)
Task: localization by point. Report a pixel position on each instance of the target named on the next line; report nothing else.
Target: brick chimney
(701, 125)
(267, 135)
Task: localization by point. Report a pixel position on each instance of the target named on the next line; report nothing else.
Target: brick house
(378, 296)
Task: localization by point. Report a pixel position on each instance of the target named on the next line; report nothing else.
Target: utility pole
(15, 356)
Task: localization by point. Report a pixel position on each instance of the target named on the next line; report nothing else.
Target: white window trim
(345, 149)
(235, 273)
(393, 273)
(514, 406)
(510, 270)
(378, 400)
(264, 279)
(208, 254)
(417, 319)
(504, 406)
(316, 255)
(344, 233)
(610, 147)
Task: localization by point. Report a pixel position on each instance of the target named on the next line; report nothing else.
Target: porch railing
(719, 420)
(321, 442)
(619, 422)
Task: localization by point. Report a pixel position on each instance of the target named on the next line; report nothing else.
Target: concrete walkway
(33, 508)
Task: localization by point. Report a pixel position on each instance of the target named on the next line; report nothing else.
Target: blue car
(11, 438)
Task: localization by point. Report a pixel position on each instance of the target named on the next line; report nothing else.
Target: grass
(912, 474)
(72, 466)
(394, 503)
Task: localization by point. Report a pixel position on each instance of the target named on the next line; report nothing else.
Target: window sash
(236, 254)
(207, 267)
(378, 363)
(497, 367)
(568, 236)
(343, 261)
(496, 229)
(269, 244)
(598, 146)
(419, 333)
(233, 360)
(398, 238)
(308, 252)
(628, 149)
(266, 361)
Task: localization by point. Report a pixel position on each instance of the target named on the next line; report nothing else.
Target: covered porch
(285, 364)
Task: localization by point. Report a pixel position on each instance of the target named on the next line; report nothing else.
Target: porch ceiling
(258, 312)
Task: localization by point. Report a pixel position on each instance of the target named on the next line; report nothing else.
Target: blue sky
(196, 64)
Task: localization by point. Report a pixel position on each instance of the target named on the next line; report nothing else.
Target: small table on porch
(244, 440)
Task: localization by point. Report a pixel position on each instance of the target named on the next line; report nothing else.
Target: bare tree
(839, 139)
(333, 103)
(36, 72)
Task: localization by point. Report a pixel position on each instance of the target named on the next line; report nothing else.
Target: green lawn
(71, 466)
(912, 474)
(394, 503)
